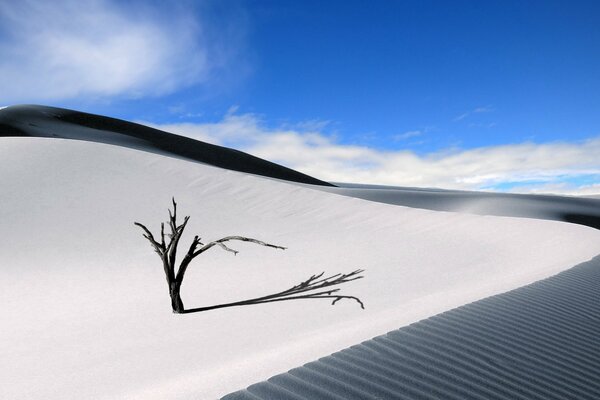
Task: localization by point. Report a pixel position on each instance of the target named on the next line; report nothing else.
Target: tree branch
(221, 242)
(175, 236)
(193, 253)
(187, 259)
(148, 235)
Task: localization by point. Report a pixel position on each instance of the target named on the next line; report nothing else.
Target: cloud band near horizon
(555, 167)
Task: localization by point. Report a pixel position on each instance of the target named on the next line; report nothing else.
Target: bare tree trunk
(176, 303)
(165, 246)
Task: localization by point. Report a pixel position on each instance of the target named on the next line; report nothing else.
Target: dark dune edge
(539, 341)
(578, 210)
(42, 121)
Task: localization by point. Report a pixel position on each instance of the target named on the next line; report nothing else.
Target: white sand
(85, 311)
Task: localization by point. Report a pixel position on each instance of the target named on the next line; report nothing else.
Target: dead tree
(315, 287)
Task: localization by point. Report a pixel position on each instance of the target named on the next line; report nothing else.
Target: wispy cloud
(477, 110)
(71, 48)
(407, 135)
(480, 125)
(484, 168)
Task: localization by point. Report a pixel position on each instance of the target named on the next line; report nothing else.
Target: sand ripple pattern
(540, 341)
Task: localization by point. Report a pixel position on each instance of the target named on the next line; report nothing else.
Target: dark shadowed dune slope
(540, 341)
(42, 121)
(578, 210)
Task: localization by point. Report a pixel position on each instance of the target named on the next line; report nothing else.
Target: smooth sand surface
(85, 300)
(85, 309)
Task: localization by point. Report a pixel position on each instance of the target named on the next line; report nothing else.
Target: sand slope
(43, 121)
(536, 342)
(87, 307)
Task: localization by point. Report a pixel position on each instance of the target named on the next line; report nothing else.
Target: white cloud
(71, 48)
(407, 135)
(319, 155)
(565, 189)
(462, 116)
(477, 110)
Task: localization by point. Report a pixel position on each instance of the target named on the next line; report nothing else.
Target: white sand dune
(86, 312)
(52, 122)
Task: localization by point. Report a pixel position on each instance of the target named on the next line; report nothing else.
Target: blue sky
(493, 95)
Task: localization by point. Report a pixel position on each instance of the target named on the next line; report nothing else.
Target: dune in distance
(84, 297)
